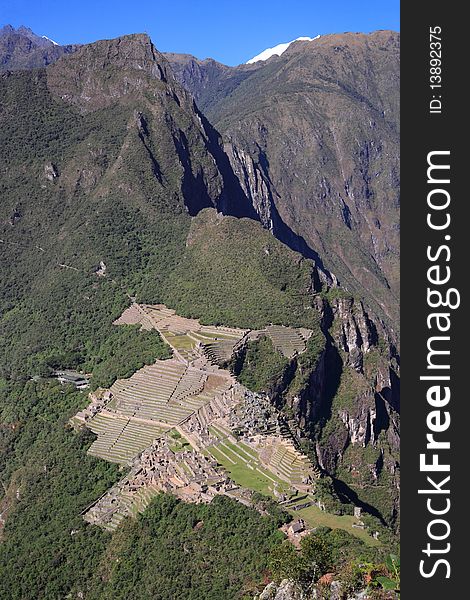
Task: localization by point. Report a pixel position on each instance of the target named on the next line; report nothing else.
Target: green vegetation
(334, 551)
(124, 352)
(319, 518)
(178, 442)
(307, 362)
(116, 185)
(187, 552)
(266, 504)
(55, 312)
(326, 494)
(46, 547)
(270, 111)
(378, 577)
(335, 293)
(362, 470)
(261, 367)
(235, 273)
(48, 551)
(305, 567)
(247, 473)
(351, 386)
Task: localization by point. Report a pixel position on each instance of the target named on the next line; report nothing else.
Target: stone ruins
(181, 425)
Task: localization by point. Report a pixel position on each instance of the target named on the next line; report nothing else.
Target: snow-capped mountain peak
(278, 50)
(49, 40)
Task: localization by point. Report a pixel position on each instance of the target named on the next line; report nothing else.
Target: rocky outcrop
(306, 404)
(259, 192)
(320, 124)
(356, 334)
(348, 406)
(254, 184)
(360, 425)
(50, 171)
(288, 590)
(22, 49)
(313, 140)
(129, 62)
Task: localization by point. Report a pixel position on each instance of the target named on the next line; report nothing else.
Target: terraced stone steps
(126, 503)
(134, 316)
(164, 318)
(159, 392)
(190, 384)
(234, 454)
(290, 464)
(186, 393)
(142, 498)
(120, 439)
(286, 340)
(219, 351)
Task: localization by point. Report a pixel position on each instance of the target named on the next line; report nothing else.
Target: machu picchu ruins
(186, 425)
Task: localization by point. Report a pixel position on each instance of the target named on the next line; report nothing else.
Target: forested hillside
(116, 189)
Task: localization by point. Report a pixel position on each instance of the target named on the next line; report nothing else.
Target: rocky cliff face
(316, 155)
(135, 157)
(102, 73)
(348, 405)
(359, 440)
(287, 590)
(313, 135)
(207, 80)
(163, 124)
(22, 49)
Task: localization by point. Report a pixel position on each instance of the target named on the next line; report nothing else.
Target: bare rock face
(353, 397)
(165, 133)
(360, 425)
(312, 137)
(128, 62)
(286, 590)
(307, 404)
(22, 49)
(50, 171)
(357, 333)
(321, 124)
(254, 184)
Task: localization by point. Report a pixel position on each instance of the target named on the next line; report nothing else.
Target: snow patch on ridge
(278, 50)
(49, 40)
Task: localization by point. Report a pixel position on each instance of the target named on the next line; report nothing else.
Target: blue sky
(229, 31)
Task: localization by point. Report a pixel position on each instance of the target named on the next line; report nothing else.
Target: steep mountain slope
(313, 138)
(110, 162)
(114, 186)
(104, 158)
(208, 80)
(22, 49)
(88, 178)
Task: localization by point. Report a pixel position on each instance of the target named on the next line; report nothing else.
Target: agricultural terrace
(286, 340)
(315, 517)
(243, 464)
(187, 337)
(171, 422)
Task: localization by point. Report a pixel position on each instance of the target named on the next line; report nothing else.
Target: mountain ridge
(278, 50)
(21, 48)
(298, 93)
(117, 189)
